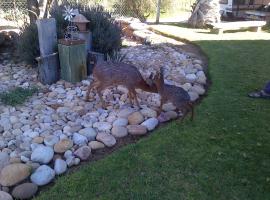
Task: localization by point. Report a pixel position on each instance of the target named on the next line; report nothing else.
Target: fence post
(158, 11)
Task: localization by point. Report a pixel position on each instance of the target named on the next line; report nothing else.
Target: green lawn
(223, 154)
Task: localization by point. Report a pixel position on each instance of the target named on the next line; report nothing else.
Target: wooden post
(47, 36)
(72, 60)
(158, 11)
(48, 62)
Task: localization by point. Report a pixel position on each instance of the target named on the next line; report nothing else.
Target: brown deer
(109, 74)
(170, 93)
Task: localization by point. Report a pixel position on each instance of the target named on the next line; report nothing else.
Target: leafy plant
(28, 46)
(116, 56)
(106, 35)
(17, 96)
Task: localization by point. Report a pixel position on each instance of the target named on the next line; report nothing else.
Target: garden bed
(57, 128)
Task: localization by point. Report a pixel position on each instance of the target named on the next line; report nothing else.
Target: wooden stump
(72, 61)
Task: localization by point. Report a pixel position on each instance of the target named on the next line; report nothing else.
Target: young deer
(170, 93)
(108, 74)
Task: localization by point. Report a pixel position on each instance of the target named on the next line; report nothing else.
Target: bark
(205, 12)
(33, 10)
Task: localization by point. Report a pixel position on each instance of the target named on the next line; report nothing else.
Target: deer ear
(151, 75)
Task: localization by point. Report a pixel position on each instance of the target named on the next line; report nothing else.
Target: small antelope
(109, 74)
(170, 93)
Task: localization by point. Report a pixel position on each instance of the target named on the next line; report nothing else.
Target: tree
(38, 9)
(204, 12)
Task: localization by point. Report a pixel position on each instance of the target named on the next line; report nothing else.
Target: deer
(109, 74)
(171, 93)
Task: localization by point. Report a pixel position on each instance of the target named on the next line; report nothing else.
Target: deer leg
(93, 85)
(130, 97)
(161, 104)
(99, 89)
(133, 92)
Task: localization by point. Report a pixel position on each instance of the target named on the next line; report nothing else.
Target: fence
(15, 9)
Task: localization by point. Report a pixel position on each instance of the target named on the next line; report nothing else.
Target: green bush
(106, 34)
(28, 46)
(17, 96)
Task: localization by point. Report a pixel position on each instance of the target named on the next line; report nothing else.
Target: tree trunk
(158, 11)
(205, 12)
(33, 10)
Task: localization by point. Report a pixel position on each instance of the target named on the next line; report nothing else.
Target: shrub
(17, 96)
(28, 46)
(106, 34)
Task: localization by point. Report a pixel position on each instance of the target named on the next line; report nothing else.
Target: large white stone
(43, 175)
(60, 166)
(42, 154)
(150, 123)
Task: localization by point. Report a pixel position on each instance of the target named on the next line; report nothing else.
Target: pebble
(89, 133)
(42, 154)
(148, 112)
(5, 196)
(103, 126)
(106, 139)
(25, 191)
(4, 160)
(60, 166)
(63, 145)
(168, 107)
(94, 145)
(14, 173)
(150, 123)
(83, 152)
(79, 139)
(120, 122)
(135, 118)
(119, 131)
(43, 175)
(51, 140)
(137, 129)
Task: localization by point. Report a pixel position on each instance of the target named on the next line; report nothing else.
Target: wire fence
(17, 9)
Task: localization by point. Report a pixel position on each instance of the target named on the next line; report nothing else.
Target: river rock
(124, 113)
(148, 112)
(51, 140)
(171, 115)
(103, 126)
(79, 139)
(120, 122)
(43, 175)
(150, 123)
(25, 191)
(83, 152)
(135, 118)
(5, 196)
(14, 173)
(119, 131)
(89, 133)
(137, 129)
(63, 145)
(4, 160)
(42, 154)
(94, 145)
(106, 139)
(60, 166)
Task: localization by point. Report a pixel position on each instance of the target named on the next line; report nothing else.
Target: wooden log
(72, 62)
(48, 68)
(47, 36)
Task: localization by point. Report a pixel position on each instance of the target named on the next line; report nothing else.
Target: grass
(223, 154)
(17, 96)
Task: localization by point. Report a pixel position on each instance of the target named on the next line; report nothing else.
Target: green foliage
(105, 33)
(17, 96)
(28, 46)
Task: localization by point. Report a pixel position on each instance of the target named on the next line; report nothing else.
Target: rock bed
(57, 129)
